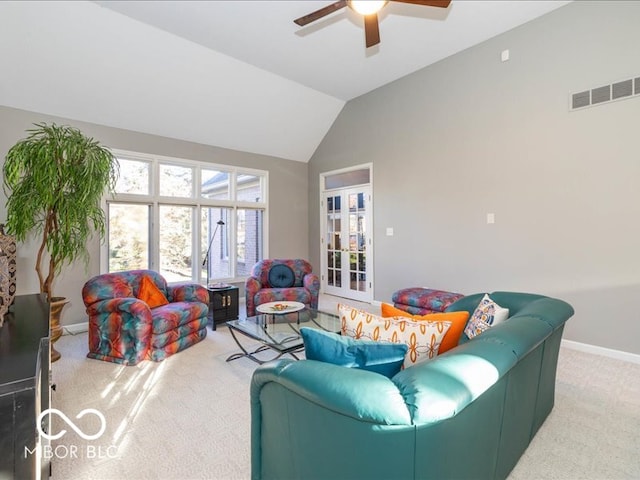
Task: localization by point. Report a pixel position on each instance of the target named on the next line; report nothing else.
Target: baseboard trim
(605, 352)
(75, 328)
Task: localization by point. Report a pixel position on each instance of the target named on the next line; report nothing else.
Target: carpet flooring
(188, 417)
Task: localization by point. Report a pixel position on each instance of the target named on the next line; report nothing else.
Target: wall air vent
(601, 94)
(622, 89)
(582, 99)
(606, 93)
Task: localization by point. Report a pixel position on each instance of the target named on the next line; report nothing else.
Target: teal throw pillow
(379, 357)
(281, 276)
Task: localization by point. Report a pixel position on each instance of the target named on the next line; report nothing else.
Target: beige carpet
(188, 417)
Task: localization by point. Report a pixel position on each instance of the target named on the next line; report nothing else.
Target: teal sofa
(468, 414)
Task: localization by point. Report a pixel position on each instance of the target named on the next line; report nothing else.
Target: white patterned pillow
(422, 337)
(486, 315)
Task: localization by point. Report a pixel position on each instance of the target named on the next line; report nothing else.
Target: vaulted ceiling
(234, 74)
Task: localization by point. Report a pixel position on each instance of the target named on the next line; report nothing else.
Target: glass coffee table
(279, 332)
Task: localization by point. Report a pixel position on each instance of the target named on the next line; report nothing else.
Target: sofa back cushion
(299, 267)
(119, 285)
(281, 276)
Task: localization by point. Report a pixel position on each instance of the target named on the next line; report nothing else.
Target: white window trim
(194, 201)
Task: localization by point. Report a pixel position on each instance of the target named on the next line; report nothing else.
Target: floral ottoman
(420, 301)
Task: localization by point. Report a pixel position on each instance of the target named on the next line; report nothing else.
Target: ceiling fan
(368, 9)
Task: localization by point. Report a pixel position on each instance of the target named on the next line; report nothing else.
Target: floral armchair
(125, 329)
(274, 280)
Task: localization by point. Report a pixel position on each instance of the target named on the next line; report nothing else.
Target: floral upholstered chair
(274, 280)
(136, 316)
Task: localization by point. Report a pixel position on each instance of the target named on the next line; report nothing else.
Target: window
(249, 239)
(187, 220)
(128, 236)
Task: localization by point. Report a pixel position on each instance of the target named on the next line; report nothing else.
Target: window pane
(128, 237)
(215, 184)
(134, 177)
(347, 179)
(249, 188)
(175, 242)
(217, 264)
(176, 181)
(249, 240)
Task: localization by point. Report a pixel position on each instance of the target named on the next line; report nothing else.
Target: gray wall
(472, 135)
(287, 198)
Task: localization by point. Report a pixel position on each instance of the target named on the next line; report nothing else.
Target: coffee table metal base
(279, 332)
(251, 355)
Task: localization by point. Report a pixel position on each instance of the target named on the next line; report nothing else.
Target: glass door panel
(357, 242)
(346, 266)
(333, 233)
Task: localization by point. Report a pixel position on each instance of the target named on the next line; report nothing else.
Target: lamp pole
(206, 255)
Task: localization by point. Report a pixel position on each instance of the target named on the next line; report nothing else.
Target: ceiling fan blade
(312, 17)
(427, 3)
(371, 31)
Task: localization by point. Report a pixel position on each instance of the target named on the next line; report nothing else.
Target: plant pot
(56, 304)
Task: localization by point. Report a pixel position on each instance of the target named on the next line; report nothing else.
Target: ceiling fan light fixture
(367, 7)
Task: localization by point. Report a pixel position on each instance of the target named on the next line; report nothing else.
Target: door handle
(228, 300)
(224, 300)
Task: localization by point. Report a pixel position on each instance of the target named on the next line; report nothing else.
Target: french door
(346, 244)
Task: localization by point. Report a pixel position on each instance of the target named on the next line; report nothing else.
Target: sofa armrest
(251, 286)
(312, 283)
(188, 292)
(359, 394)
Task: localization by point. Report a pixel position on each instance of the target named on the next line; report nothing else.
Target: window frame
(196, 201)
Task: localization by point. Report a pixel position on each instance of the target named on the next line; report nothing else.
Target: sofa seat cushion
(171, 316)
(293, 294)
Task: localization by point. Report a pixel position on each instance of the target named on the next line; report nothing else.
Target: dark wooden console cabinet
(223, 304)
(25, 388)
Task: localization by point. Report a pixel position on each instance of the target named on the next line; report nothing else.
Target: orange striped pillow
(452, 337)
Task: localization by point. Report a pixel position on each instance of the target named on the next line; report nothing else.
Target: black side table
(223, 304)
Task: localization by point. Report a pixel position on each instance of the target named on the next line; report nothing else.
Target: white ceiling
(235, 74)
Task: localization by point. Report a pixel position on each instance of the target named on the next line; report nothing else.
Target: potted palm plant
(54, 181)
